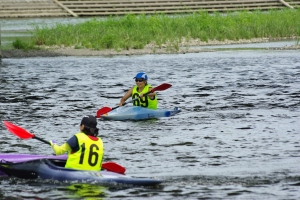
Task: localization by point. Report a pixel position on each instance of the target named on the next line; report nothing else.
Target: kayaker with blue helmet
(85, 150)
(141, 87)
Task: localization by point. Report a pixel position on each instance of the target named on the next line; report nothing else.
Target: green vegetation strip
(136, 31)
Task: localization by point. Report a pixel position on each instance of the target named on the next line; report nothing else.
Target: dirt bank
(183, 47)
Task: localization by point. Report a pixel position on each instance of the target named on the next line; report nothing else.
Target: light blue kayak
(138, 113)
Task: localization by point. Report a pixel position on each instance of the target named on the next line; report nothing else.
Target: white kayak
(138, 113)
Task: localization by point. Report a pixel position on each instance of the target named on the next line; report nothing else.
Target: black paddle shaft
(42, 140)
(132, 100)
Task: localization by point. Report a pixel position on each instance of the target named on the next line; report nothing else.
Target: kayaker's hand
(52, 142)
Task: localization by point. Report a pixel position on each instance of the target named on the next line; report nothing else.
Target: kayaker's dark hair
(91, 131)
(90, 125)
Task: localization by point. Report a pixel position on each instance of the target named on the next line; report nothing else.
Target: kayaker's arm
(59, 150)
(125, 97)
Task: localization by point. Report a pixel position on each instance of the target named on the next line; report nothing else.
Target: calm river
(237, 136)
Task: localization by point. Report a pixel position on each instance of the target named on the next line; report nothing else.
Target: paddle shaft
(132, 100)
(42, 140)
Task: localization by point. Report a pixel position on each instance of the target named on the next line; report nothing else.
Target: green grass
(136, 31)
(9, 37)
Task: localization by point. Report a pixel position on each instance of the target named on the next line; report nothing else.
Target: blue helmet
(141, 75)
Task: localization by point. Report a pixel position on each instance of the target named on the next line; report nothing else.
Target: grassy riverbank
(135, 32)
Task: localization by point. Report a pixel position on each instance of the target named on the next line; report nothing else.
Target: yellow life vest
(145, 101)
(89, 156)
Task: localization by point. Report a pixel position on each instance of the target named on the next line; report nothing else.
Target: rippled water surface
(237, 136)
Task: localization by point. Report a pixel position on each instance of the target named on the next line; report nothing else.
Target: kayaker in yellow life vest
(85, 150)
(141, 87)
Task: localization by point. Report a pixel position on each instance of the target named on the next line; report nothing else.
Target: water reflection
(87, 191)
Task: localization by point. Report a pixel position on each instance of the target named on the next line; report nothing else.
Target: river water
(237, 136)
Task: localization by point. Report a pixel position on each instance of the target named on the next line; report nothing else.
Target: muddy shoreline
(183, 47)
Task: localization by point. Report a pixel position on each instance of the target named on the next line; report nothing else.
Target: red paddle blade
(18, 131)
(102, 111)
(161, 87)
(114, 167)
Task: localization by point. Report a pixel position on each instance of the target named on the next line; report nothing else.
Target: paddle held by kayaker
(85, 150)
(141, 88)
